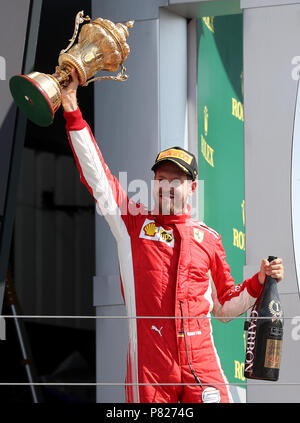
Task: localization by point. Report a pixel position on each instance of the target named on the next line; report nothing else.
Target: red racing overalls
(170, 266)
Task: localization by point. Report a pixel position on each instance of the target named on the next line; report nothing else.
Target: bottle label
(275, 309)
(276, 331)
(273, 351)
(250, 343)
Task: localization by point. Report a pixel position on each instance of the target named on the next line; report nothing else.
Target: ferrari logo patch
(198, 235)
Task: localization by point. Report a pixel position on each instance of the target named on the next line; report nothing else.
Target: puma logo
(157, 330)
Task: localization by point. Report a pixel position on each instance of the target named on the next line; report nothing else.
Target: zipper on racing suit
(186, 349)
(210, 394)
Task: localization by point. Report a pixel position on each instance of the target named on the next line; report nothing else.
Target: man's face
(172, 188)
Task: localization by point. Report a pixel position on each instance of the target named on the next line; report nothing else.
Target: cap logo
(179, 154)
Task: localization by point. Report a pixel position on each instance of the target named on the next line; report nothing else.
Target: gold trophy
(101, 46)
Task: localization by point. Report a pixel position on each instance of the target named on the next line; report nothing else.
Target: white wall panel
(173, 80)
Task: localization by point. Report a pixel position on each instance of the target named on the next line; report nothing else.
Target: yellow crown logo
(205, 120)
(243, 211)
(209, 22)
(242, 83)
(150, 229)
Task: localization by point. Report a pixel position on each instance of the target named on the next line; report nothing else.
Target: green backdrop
(221, 161)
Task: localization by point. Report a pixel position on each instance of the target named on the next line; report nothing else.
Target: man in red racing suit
(170, 266)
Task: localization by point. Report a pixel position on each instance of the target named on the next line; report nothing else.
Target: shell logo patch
(156, 233)
(150, 229)
(198, 235)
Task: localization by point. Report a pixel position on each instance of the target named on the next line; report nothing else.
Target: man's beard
(169, 204)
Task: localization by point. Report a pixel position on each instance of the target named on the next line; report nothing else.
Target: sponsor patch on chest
(156, 233)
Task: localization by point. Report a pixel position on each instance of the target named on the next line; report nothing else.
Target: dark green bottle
(264, 338)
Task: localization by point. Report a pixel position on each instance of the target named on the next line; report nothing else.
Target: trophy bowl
(101, 45)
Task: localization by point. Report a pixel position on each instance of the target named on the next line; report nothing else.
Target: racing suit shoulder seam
(207, 228)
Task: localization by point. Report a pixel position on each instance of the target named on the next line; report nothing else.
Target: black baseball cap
(181, 157)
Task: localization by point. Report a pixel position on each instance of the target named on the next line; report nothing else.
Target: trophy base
(32, 99)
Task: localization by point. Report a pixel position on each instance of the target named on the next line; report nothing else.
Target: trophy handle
(121, 76)
(78, 20)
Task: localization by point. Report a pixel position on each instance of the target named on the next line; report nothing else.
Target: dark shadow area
(58, 353)
(56, 28)
(6, 145)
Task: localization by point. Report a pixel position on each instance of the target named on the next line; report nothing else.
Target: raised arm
(111, 199)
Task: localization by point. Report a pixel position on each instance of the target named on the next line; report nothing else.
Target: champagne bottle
(264, 336)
